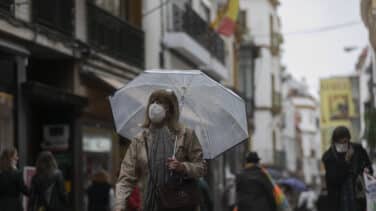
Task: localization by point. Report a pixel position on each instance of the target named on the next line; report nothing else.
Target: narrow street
(221, 105)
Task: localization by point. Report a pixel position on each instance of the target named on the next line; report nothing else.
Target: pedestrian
(47, 186)
(344, 162)
(100, 193)
(12, 185)
(322, 203)
(255, 191)
(163, 156)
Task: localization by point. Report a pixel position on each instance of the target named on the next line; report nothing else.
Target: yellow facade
(337, 107)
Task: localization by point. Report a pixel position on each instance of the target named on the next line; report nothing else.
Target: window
(271, 29)
(117, 8)
(97, 151)
(206, 12)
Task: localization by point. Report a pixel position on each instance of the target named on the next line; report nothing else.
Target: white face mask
(341, 147)
(156, 113)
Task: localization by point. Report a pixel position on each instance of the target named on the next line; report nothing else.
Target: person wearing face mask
(12, 185)
(163, 149)
(344, 164)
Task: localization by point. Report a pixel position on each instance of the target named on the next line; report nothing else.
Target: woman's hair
(339, 133)
(172, 117)
(46, 163)
(101, 176)
(5, 159)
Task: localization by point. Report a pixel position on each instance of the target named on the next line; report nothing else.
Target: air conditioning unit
(55, 137)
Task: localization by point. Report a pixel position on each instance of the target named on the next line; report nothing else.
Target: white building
(264, 25)
(364, 72)
(178, 36)
(301, 132)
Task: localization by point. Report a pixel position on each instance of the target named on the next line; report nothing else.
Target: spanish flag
(225, 22)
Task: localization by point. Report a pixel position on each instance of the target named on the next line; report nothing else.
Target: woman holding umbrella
(164, 153)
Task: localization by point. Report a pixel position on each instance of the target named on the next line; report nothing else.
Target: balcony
(276, 42)
(193, 37)
(54, 14)
(6, 5)
(115, 36)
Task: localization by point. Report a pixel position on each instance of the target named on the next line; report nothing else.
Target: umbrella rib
(131, 115)
(194, 108)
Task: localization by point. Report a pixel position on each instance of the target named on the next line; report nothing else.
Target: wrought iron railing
(6, 5)
(115, 36)
(188, 21)
(55, 14)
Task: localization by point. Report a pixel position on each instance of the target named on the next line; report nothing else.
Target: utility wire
(317, 30)
(155, 8)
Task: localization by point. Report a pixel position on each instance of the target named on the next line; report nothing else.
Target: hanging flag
(225, 23)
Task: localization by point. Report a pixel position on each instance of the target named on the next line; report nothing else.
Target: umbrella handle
(174, 151)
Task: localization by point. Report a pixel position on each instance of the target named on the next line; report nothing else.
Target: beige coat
(134, 168)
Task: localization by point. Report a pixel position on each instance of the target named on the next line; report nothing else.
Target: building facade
(61, 60)
(301, 131)
(264, 25)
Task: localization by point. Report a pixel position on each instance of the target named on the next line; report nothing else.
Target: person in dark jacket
(322, 202)
(344, 162)
(12, 185)
(47, 186)
(253, 187)
(99, 192)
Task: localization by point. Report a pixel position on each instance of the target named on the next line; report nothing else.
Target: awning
(113, 81)
(117, 84)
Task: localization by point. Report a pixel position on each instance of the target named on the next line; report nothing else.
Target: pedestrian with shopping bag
(344, 162)
(12, 185)
(47, 186)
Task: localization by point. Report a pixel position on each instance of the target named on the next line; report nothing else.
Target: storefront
(8, 98)
(97, 151)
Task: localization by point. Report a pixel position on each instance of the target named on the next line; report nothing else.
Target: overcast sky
(318, 55)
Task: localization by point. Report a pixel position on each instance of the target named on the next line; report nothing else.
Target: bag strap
(148, 159)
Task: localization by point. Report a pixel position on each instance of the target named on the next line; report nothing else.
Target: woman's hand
(175, 165)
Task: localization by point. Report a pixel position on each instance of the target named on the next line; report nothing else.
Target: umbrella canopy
(294, 183)
(216, 113)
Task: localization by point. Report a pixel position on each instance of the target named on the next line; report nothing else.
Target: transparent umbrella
(216, 113)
